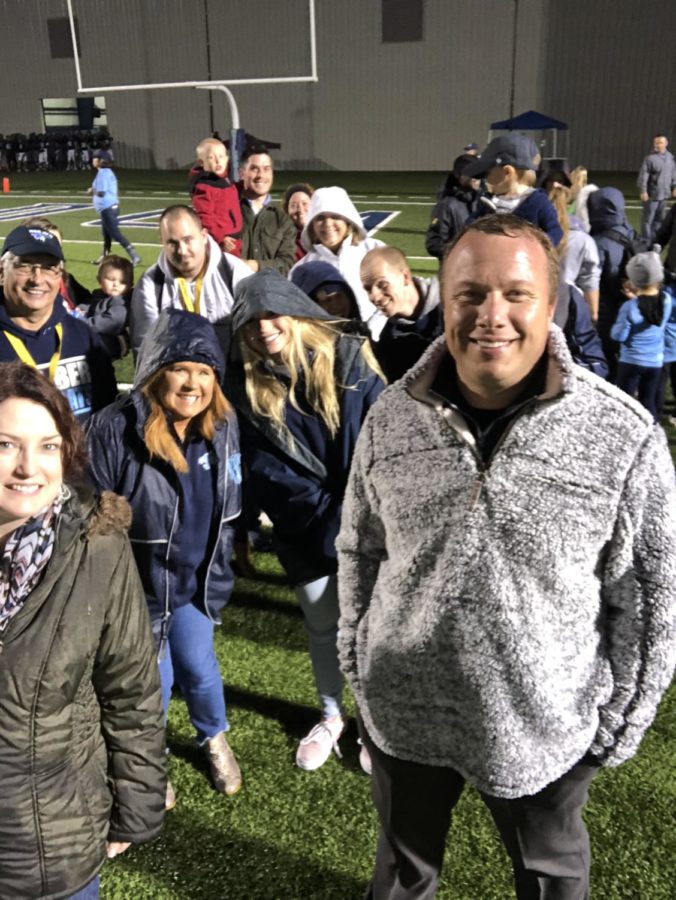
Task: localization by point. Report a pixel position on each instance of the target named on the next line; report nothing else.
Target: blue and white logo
(235, 468)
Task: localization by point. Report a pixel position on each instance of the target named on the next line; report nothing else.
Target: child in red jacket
(215, 198)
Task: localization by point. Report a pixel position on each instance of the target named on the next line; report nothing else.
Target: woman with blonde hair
(172, 449)
(579, 195)
(302, 397)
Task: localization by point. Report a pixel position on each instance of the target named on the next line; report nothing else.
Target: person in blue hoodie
(171, 448)
(611, 231)
(302, 395)
(639, 330)
(107, 205)
(36, 328)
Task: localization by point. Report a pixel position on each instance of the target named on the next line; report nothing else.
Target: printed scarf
(25, 556)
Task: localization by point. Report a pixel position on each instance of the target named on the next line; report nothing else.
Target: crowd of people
(69, 149)
(485, 549)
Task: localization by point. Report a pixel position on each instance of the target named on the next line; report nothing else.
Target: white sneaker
(316, 747)
(365, 758)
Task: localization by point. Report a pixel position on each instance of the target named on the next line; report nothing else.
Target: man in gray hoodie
(656, 182)
(507, 575)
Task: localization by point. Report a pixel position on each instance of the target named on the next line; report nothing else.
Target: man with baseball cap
(509, 164)
(36, 329)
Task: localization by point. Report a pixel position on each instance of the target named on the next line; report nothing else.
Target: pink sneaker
(316, 747)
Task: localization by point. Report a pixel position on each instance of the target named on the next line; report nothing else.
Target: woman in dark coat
(305, 392)
(172, 449)
(81, 732)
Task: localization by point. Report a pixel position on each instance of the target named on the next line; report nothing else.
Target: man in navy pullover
(37, 330)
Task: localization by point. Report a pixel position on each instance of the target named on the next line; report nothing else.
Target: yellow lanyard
(185, 294)
(22, 352)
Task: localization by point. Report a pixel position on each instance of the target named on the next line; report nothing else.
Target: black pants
(544, 834)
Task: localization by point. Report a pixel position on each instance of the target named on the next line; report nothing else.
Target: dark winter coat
(448, 219)
(120, 461)
(298, 476)
(573, 317)
(535, 208)
(269, 237)
(81, 723)
(609, 226)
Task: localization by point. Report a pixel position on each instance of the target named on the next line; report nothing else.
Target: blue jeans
(319, 603)
(89, 891)
(111, 229)
(189, 660)
(644, 381)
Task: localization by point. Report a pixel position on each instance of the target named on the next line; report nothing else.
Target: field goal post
(221, 85)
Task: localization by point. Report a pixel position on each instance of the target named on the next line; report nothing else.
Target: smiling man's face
(497, 310)
(30, 286)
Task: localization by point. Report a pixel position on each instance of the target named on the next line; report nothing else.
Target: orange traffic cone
(5, 185)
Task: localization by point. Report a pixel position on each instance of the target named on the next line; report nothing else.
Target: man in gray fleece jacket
(507, 570)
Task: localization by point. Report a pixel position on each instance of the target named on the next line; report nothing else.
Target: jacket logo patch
(235, 468)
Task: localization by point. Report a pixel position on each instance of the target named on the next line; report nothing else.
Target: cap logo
(39, 235)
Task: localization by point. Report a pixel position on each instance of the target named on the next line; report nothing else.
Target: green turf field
(293, 835)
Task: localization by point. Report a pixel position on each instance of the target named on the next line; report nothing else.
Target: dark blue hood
(606, 210)
(178, 336)
(269, 292)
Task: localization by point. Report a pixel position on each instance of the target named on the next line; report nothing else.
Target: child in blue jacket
(640, 329)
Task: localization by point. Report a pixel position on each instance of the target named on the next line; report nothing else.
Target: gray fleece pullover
(504, 620)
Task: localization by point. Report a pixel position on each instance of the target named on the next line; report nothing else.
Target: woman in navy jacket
(172, 449)
(302, 398)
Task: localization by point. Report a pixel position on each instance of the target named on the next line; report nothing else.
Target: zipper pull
(477, 487)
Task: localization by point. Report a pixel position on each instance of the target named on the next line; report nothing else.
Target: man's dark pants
(544, 834)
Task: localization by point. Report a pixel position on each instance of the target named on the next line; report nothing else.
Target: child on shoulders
(215, 198)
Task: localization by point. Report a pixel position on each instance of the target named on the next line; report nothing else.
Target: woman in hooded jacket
(81, 731)
(172, 449)
(302, 397)
(335, 234)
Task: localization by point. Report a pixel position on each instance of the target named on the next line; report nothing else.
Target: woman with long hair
(107, 205)
(81, 732)
(172, 449)
(302, 398)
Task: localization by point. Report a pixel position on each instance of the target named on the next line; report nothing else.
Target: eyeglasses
(27, 268)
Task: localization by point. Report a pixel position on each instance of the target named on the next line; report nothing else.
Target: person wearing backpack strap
(192, 273)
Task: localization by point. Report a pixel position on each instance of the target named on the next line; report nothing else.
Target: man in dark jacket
(268, 234)
(411, 304)
(456, 202)
(37, 329)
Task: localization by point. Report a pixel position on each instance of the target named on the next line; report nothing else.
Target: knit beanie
(645, 269)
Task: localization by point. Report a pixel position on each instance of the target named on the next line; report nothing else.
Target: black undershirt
(487, 425)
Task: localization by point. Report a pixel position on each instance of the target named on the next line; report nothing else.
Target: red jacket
(215, 199)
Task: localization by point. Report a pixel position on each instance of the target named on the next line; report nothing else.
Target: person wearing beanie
(640, 329)
(297, 206)
(324, 284)
(335, 233)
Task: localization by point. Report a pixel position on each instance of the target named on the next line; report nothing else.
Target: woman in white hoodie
(335, 233)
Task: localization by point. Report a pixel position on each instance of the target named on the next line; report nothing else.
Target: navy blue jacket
(298, 476)
(120, 462)
(84, 375)
(573, 316)
(536, 208)
(608, 223)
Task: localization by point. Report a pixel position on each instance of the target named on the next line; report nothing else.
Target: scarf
(24, 559)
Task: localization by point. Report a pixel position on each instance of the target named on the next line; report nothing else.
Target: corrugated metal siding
(605, 66)
(611, 73)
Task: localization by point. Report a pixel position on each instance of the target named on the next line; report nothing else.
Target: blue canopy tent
(531, 121)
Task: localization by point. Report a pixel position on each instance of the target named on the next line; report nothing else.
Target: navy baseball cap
(26, 240)
(509, 150)
(471, 146)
